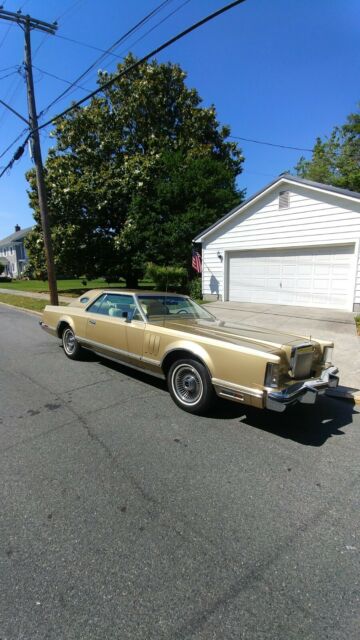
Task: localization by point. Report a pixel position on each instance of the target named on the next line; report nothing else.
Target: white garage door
(313, 277)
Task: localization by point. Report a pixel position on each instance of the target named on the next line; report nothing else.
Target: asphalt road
(122, 517)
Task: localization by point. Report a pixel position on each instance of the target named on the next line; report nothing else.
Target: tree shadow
(310, 425)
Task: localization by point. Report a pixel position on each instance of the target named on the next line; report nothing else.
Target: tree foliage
(336, 160)
(134, 176)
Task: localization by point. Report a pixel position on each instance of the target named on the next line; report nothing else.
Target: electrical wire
(8, 75)
(14, 142)
(132, 44)
(84, 44)
(141, 61)
(52, 75)
(270, 144)
(67, 11)
(108, 51)
(17, 155)
(111, 53)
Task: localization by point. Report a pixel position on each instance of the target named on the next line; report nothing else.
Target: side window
(95, 306)
(114, 305)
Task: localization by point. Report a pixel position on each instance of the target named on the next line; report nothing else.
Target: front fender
(192, 348)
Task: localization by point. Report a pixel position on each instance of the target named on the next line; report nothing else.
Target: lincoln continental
(172, 337)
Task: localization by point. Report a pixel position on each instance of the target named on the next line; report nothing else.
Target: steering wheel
(183, 311)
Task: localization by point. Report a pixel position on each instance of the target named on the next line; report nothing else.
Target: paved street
(124, 518)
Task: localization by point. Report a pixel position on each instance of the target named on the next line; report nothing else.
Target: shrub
(165, 277)
(195, 289)
(2, 268)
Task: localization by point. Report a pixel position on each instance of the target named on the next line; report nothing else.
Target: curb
(345, 393)
(31, 311)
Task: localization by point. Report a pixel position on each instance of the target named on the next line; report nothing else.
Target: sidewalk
(34, 294)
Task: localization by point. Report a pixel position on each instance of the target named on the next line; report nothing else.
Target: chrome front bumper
(304, 392)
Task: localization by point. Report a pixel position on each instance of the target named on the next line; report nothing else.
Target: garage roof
(283, 179)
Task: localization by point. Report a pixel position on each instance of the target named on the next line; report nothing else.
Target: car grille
(301, 361)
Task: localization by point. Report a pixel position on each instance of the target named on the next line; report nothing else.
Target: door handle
(92, 321)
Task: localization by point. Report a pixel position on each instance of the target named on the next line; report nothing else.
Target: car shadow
(310, 425)
(157, 383)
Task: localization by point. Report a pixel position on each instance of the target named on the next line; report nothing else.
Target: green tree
(134, 176)
(336, 160)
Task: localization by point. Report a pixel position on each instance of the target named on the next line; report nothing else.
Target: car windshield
(173, 307)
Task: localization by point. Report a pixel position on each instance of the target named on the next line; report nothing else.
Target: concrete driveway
(338, 326)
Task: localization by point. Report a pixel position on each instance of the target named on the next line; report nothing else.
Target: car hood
(235, 333)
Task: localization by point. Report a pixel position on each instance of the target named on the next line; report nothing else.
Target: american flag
(196, 261)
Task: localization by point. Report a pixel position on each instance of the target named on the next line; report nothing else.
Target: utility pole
(27, 24)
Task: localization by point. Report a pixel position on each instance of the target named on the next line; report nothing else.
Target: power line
(138, 63)
(132, 44)
(67, 11)
(11, 25)
(8, 75)
(88, 46)
(270, 144)
(111, 53)
(52, 75)
(13, 142)
(108, 51)
(17, 155)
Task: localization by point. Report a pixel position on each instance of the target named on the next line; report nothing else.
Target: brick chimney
(17, 228)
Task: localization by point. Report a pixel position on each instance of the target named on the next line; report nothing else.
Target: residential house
(13, 253)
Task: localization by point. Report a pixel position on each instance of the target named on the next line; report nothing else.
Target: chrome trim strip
(132, 366)
(225, 384)
(156, 363)
(121, 352)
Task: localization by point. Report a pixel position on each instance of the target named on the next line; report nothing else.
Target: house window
(284, 199)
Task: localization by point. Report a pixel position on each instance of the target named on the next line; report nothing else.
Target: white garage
(296, 242)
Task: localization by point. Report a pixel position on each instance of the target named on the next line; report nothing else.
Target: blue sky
(283, 71)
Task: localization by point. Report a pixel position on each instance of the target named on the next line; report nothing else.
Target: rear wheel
(71, 346)
(190, 386)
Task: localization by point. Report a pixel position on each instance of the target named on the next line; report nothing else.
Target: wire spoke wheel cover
(71, 346)
(187, 384)
(69, 341)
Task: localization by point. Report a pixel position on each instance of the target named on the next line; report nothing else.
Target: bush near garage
(195, 289)
(174, 277)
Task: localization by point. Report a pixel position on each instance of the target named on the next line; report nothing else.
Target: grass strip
(357, 322)
(33, 304)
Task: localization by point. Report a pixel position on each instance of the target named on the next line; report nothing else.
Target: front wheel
(190, 386)
(71, 346)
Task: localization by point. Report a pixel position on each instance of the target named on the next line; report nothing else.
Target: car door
(106, 326)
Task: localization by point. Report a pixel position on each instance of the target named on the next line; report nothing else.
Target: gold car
(172, 337)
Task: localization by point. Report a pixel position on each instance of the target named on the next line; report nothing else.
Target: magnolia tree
(134, 176)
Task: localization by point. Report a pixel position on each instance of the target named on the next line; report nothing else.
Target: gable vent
(284, 199)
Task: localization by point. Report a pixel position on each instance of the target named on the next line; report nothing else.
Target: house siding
(313, 218)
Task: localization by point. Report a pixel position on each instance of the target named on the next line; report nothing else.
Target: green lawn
(67, 287)
(25, 302)
(357, 321)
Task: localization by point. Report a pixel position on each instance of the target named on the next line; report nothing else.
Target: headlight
(327, 354)
(272, 375)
